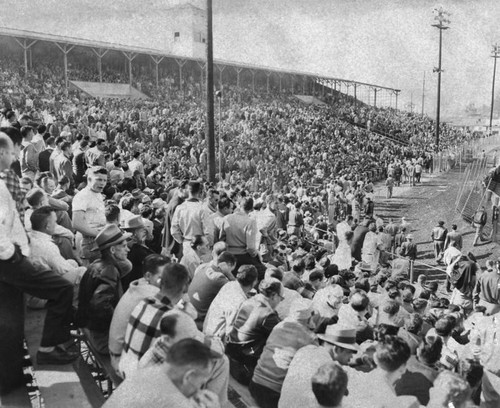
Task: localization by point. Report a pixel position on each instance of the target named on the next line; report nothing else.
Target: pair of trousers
(24, 277)
(264, 396)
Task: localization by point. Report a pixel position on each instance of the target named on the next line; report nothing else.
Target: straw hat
(111, 235)
(340, 336)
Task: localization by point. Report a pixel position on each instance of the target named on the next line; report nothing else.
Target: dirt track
(423, 206)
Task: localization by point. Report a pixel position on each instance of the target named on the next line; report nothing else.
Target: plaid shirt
(144, 324)
(12, 182)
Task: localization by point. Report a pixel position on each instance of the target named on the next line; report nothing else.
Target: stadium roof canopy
(136, 29)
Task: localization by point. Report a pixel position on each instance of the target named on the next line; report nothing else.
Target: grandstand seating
(108, 90)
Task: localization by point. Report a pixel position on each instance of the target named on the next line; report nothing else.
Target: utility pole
(210, 129)
(423, 95)
(495, 54)
(441, 23)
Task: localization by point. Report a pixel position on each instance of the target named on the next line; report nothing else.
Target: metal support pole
(130, 57)
(25, 46)
(220, 137)
(210, 96)
(99, 53)
(375, 90)
(157, 61)
(65, 50)
(496, 54)
(253, 79)
(280, 76)
(267, 81)
(221, 69)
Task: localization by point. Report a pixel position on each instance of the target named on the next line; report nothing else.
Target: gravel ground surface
(423, 206)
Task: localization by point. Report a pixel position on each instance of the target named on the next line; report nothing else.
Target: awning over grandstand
(107, 90)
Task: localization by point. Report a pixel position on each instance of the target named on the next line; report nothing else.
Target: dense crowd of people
(281, 274)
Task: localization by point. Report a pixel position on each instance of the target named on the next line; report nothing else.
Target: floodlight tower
(495, 53)
(441, 22)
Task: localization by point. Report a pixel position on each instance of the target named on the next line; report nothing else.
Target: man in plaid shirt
(144, 322)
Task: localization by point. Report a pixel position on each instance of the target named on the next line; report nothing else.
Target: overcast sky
(389, 43)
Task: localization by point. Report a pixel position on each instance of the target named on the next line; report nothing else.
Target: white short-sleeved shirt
(93, 205)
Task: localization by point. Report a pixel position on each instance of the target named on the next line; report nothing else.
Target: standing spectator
(44, 156)
(409, 248)
(62, 164)
(479, 221)
(89, 211)
(239, 231)
(29, 154)
(136, 164)
(389, 183)
(438, 236)
(190, 218)
(79, 163)
(17, 272)
(453, 238)
(489, 293)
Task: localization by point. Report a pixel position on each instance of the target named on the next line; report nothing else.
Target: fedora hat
(109, 236)
(340, 336)
(133, 223)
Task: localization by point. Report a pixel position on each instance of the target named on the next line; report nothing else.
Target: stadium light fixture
(441, 22)
(495, 53)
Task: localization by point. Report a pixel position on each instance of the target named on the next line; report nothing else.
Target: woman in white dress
(342, 256)
(370, 252)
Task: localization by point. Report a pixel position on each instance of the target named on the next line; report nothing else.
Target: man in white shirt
(45, 254)
(190, 218)
(136, 164)
(89, 211)
(17, 272)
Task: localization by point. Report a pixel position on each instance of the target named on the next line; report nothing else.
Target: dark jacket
(99, 293)
(357, 241)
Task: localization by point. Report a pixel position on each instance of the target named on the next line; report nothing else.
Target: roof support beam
(99, 52)
(25, 45)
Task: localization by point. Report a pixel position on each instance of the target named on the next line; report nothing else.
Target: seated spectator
(196, 254)
(253, 323)
(329, 385)
(314, 283)
(450, 390)
(144, 323)
(100, 287)
(145, 287)
(421, 371)
(176, 326)
(207, 283)
(353, 315)
(177, 385)
(138, 249)
(338, 345)
(45, 254)
(293, 279)
(410, 332)
(391, 355)
(223, 309)
(286, 338)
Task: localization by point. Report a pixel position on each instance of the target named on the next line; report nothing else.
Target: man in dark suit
(358, 238)
(44, 156)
